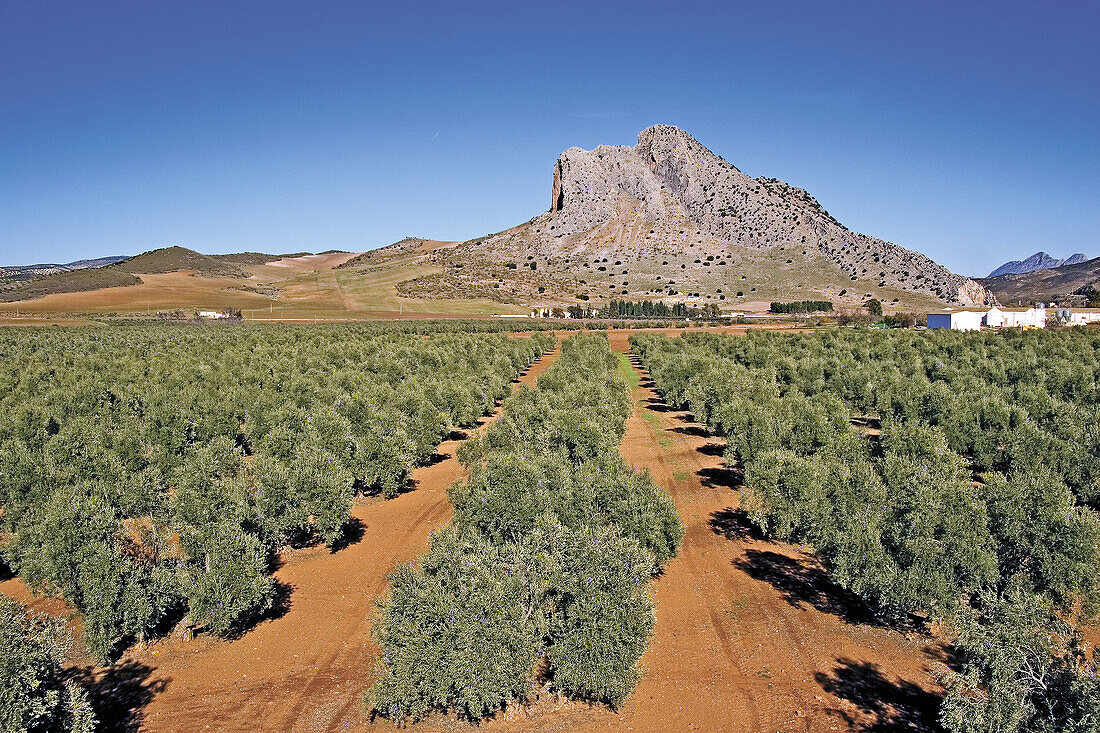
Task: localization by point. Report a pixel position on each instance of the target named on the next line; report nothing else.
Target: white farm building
(974, 319)
(1015, 317)
(1079, 316)
(963, 319)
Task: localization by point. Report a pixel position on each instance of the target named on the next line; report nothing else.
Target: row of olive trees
(901, 519)
(1011, 400)
(153, 472)
(543, 575)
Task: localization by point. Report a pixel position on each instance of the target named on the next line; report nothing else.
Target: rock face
(669, 174)
(1037, 261)
(667, 218)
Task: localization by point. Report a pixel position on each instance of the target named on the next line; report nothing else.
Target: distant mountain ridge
(25, 272)
(1045, 284)
(1037, 261)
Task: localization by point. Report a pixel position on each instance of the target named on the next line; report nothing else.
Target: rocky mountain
(1037, 261)
(26, 272)
(1048, 284)
(669, 217)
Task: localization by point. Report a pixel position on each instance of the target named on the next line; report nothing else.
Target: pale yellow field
(298, 288)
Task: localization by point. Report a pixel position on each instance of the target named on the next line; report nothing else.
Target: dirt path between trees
(750, 635)
(306, 669)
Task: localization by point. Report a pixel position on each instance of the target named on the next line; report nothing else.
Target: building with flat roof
(1079, 316)
(957, 319)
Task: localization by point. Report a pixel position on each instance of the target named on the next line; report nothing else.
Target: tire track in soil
(729, 651)
(307, 669)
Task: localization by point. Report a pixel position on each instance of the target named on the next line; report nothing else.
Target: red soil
(307, 669)
(750, 635)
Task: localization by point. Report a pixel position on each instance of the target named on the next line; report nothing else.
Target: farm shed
(1016, 317)
(1079, 316)
(961, 319)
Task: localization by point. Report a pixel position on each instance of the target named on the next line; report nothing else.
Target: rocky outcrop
(669, 219)
(670, 174)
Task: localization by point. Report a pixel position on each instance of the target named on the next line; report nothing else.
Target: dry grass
(299, 288)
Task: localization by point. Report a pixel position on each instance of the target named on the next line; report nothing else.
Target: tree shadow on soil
(654, 404)
(435, 458)
(896, 707)
(714, 450)
(734, 524)
(803, 581)
(119, 693)
(280, 606)
(721, 478)
(351, 534)
(695, 431)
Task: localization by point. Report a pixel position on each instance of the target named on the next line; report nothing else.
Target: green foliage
(603, 618)
(801, 306)
(34, 696)
(1045, 540)
(656, 309)
(226, 582)
(459, 634)
(73, 546)
(900, 520)
(1022, 670)
(154, 471)
(544, 571)
(979, 489)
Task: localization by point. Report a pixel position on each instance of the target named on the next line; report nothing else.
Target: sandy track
(307, 669)
(750, 635)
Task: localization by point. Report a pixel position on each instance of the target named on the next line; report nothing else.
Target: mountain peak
(1037, 261)
(670, 181)
(670, 218)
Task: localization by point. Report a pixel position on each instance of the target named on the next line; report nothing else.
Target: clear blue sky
(967, 130)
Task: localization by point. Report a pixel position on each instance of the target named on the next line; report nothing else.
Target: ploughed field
(351, 528)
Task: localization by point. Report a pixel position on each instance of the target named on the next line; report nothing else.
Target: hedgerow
(543, 575)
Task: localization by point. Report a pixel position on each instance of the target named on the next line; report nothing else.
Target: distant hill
(26, 272)
(74, 281)
(668, 218)
(1037, 261)
(1046, 284)
(124, 271)
(403, 245)
(174, 259)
